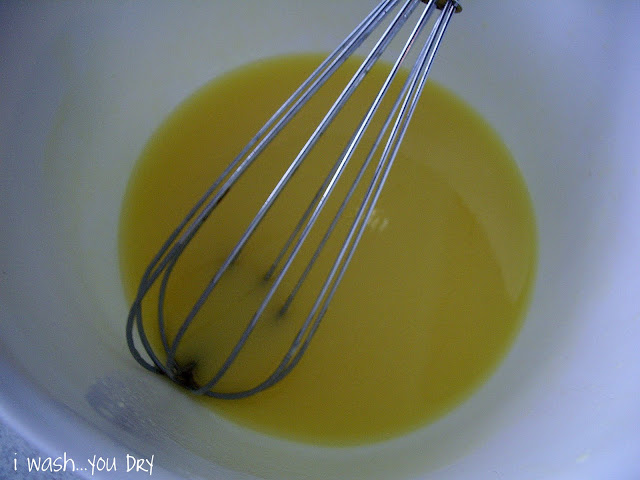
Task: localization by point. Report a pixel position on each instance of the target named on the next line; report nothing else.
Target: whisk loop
(392, 132)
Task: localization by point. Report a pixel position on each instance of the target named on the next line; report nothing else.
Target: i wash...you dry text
(93, 465)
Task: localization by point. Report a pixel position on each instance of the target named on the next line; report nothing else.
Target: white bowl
(85, 83)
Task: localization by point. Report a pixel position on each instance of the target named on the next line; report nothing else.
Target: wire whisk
(387, 141)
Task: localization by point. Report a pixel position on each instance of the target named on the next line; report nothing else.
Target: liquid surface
(431, 302)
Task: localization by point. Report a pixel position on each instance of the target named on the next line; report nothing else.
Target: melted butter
(430, 304)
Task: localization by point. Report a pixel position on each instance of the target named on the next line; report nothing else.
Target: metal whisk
(392, 132)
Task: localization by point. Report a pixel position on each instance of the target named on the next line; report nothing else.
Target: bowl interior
(86, 85)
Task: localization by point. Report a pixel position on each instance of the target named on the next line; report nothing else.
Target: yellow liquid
(430, 304)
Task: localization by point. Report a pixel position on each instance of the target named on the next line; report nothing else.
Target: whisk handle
(441, 3)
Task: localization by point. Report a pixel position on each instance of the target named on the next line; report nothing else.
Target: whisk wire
(356, 139)
(373, 56)
(164, 261)
(413, 85)
(411, 91)
(379, 48)
(172, 248)
(375, 53)
(395, 139)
